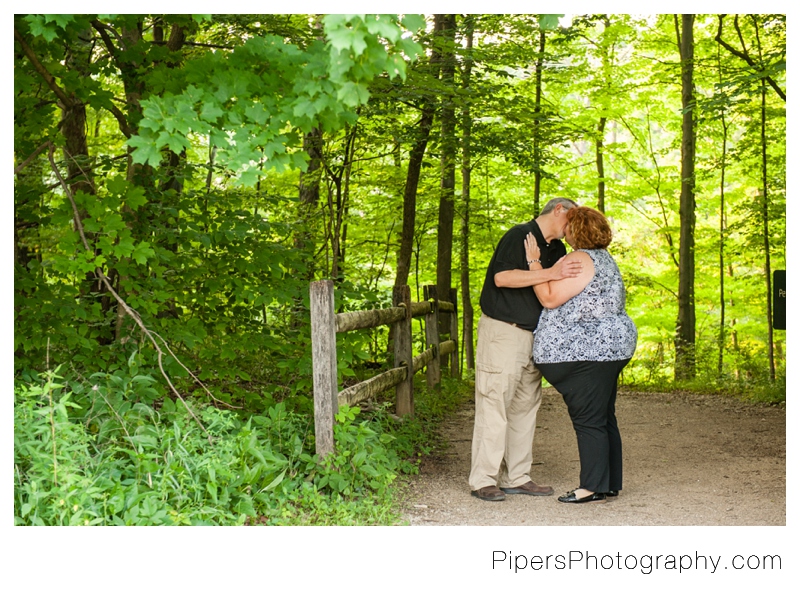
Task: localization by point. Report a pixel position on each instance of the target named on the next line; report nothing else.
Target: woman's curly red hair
(589, 228)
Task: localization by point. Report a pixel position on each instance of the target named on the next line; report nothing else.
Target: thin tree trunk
(444, 250)
(601, 124)
(350, 148)
(338, 209)
(177, 38)
(467, 349)
(733, 331)
(313, 146)
(685, 327)
(141, 175)
(415, 159)
(537, 149)
(765, 206)
(601, 181)
(309, 187)
(765, 212)
(722, 232)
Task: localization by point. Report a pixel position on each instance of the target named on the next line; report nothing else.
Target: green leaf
(339, 35)
(175, 142)
(248, 177)
(275, 482)
(142, 253)
(116, 185)
(549, 21)
(146, 151)
(353, 94)
(304, 108)
(62, 20)
(413, 22)
(151, 109)
(124, 247)
(384, 26)
(135, 198)
(211, 111)
(256, 112)
(39, 28)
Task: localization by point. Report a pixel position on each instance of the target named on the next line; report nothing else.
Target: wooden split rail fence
(326, 323)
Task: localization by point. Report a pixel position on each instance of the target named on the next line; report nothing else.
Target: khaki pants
(508, 392)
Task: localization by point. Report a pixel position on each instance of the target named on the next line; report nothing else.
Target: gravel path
(689, 460)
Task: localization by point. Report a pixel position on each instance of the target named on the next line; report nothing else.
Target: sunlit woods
(186, 175)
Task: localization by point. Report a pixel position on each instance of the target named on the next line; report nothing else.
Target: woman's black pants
(590, 392)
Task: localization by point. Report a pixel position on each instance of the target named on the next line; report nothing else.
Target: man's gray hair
(567, 204)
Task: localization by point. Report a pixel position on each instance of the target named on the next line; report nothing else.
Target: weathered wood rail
(326, 323)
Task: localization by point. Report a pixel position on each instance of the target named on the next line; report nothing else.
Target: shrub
(109, 454)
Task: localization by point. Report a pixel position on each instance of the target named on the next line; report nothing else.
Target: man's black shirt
(517, 305)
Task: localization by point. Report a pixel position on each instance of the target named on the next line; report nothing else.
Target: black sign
(779, 299)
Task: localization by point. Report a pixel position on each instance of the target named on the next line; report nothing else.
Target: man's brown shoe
(529, 488)
(490, 493)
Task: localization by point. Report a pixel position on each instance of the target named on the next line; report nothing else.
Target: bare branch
(33, 155)
(122, 120)
(197, 380)
(103, 29)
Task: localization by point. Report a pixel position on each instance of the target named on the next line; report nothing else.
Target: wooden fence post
(455, 367)
(404, 405)
(433, 371)
(323, 359)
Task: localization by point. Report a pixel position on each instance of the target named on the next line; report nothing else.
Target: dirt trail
(689, 460)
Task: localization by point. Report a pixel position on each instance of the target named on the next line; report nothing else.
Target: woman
(583, 341)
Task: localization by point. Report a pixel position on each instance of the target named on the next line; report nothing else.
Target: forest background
(180, 180)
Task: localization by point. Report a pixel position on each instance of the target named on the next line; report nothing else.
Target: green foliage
(244, 108)
(101, 455)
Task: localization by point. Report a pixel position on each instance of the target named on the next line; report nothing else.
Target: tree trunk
(309, 194)
(415, 159)
(444, 250)
(537, 149)
(133, 81)
(734, 333)
(172, 177)
(765, 212)
(601, 181)
(685, 326)
(765, 199)
(601, 124)
(313, 145)
(722, 232)
(350, 149)
(341, 180)
(467, 313)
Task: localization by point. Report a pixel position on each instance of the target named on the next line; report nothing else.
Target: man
(508, 387)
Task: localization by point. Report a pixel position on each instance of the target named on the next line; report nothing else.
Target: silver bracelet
(534, 261)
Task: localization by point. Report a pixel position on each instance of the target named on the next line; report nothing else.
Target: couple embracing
(546, 313)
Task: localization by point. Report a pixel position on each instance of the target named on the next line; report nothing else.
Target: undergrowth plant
(115, 451)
